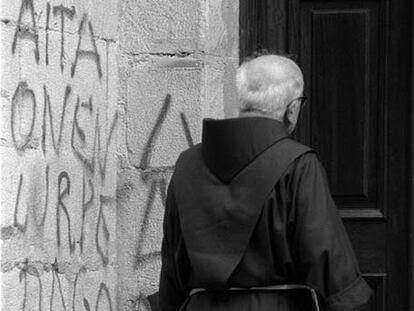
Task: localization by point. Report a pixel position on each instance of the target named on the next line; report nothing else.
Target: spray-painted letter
(27, 31)
(68, 12)
(61, 205)
(22, 92)
(87, 53)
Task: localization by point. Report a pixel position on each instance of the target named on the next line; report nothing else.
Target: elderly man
(249, 222)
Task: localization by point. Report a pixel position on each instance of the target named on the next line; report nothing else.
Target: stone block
(168, 26)
(163, 110)
(222, 31)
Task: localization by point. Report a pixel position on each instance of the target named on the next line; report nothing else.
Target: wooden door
(356, 58)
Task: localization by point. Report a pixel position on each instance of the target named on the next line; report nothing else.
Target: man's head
(270, 86)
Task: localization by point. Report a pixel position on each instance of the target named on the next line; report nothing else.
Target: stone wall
(177, 62)
(58, 140)
(98, 98)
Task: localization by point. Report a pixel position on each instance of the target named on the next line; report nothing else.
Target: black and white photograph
(206, 155)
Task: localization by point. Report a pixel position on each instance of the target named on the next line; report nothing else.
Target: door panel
(340, 54)
(356, 58)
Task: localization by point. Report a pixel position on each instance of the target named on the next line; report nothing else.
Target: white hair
(270, 99)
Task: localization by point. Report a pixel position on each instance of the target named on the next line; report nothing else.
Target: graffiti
(62, 201)
(86, 205)
(25, 31)
(21, 227)
(89, 162)
(141, 303)
(186, 128)
(61, 206)
(18, 102)
(157, 182)
(88, 105)
(66, 206)
(75, 284)
(103, 290)
(57, 299)
(47, 107)
(149, 145)
(64, 12)
(21, 217)
(155, 131)
(40, 224)
(102, 223)
(55, 280)
(140, 257)
(25, 270)
(62, 213)
(103, 163)
(86, 53)
(47, 34)
(29, 31)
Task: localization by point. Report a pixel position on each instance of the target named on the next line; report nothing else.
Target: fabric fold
(350, 297)
(217, 229)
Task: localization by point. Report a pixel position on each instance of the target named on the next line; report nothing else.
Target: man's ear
(292, 112)
(291, 116)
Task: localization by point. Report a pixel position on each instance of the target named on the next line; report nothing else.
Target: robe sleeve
(171, 293)
(321, 248)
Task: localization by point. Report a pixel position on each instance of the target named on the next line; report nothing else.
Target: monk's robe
(250, 207)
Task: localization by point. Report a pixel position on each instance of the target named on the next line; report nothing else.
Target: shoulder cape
(218, 219)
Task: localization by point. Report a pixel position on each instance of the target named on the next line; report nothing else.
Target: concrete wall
(98, 97)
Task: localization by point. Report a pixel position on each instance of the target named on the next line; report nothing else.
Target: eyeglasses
(302, 99)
